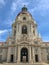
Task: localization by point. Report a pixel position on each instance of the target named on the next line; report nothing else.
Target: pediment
(24, 42)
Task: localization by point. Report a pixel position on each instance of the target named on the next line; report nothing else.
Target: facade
(25, 45)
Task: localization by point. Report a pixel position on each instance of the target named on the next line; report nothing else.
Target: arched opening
(24, 29)
(24, 55)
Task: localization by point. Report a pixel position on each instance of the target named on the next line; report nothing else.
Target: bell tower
(24, 25)
(25, 35)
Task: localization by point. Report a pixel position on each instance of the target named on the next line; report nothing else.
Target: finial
(24, 5)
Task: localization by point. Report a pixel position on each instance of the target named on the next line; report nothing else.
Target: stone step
(24, 64)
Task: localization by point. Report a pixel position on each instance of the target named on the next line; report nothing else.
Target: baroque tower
(25, 45)
(24, 33)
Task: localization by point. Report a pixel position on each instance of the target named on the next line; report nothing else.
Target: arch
(24, 29)
(24, 54)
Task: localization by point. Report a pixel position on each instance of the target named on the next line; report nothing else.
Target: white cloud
(3, 31)
(2, 2)
(18, 3)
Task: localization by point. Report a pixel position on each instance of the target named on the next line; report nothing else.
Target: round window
(24, 18)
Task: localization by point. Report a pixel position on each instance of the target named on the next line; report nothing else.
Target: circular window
(24, 18)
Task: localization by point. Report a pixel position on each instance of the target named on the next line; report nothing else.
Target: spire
(24, 8)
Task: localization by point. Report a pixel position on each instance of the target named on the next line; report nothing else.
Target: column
(8, 54)
(33, 54)
(15, 55)
(18, 54)
(30, 54)
(39, 55)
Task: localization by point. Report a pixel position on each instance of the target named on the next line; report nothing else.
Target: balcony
(24, 37)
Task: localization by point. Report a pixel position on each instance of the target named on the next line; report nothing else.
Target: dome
(24, 11)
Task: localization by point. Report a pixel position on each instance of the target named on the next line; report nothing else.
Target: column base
(18, 61)
(30, 61)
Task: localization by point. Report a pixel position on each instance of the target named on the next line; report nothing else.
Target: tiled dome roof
(24, 11)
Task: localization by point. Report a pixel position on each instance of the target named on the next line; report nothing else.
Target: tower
(25, 39)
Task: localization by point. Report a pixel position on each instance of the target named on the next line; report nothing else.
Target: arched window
(24, 29)
(14, 32)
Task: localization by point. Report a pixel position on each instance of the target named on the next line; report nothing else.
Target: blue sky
(38, 8)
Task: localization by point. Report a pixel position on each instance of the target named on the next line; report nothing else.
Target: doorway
(24, 55)
(12, 57)
(36, 58)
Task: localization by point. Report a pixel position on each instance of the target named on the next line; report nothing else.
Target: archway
(24, 55)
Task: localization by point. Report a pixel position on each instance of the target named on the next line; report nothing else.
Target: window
(48, 57)
(0, 50)
(12, 58)
(12, 42)
(24, 18)
(47, 50)
(36, 58)
(24, 29)
(35, 42)
(15, 26)
(12, 50)
(36, 50)
(14, 32)
(33, 32)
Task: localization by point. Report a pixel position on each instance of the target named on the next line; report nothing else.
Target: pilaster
(18, 54)
(33, 54)
(15, 55)
(30, 60)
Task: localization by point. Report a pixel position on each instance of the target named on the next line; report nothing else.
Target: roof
(45, 42)
(24, 11)
(2, 42)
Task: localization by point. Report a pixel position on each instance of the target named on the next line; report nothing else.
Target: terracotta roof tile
(2, 42)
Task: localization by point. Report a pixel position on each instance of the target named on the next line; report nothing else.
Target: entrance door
(24, 55)
(11, 58)
(36, 58)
